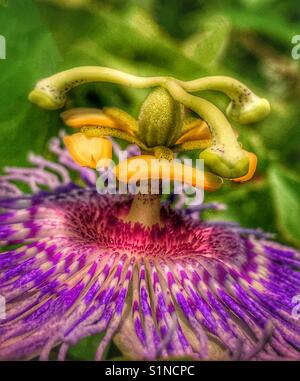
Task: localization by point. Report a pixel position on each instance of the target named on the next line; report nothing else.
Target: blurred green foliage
(247, 39)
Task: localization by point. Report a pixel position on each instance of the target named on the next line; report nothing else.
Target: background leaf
(86, 348)
(285, 187)
(31, 54)
(209, 45)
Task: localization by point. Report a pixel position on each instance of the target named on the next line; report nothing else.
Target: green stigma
(43, 100)
(248, 112)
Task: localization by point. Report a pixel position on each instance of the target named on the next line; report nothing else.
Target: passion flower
(150, 275)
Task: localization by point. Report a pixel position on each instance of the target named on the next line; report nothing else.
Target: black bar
(148, 369)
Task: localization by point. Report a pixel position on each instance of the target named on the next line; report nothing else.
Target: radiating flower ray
(189, 288)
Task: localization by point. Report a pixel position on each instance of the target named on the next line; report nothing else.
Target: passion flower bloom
(152, 277)
(73, 268)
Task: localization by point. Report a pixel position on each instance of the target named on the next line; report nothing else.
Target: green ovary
(160, 119)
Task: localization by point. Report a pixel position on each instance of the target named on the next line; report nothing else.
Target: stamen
(88, 151)
(147, 167)
(109, 117)
(200, 132)
(251, 171)
(88, 175)
(79, 117)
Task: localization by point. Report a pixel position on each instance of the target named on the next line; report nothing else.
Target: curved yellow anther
(252, 168)
(200, 132)
(88, 151)
(79, 117)
(147, 167)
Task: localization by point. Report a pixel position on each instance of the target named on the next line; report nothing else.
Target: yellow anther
(79, 117)
(147, 167)
(252, 168)
(199, 132)
(88, 151)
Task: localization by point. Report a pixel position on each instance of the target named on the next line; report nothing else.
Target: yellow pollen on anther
(200, 132)
(80, 117)
(252, 168)
(88, 151)
(145, 167)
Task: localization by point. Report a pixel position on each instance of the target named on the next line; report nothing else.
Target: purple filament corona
(69, 268)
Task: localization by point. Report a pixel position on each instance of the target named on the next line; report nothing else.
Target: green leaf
(269, 23)
(285, 187)
(115, 40)
(86, 348)
(30, 55)
(208, 46)
(243, 205)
